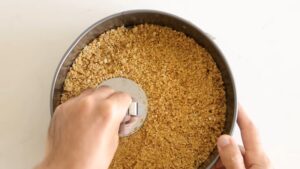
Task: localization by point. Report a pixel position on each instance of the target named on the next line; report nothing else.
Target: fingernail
(223, 141)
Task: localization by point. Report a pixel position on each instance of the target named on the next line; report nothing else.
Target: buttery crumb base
(186, 95)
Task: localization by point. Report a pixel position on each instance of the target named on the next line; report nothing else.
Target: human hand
(83, 132)
(237, 157)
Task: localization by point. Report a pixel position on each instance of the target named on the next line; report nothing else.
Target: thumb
(230, 153)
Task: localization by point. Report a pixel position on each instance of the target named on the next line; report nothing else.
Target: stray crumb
(105, 60)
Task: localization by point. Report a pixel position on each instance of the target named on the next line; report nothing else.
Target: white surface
(259, 38)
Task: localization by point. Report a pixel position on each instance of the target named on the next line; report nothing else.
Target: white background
(261, 41)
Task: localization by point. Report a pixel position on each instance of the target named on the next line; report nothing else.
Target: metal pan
(134, 17)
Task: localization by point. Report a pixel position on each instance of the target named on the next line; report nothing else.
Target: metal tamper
(137, 111)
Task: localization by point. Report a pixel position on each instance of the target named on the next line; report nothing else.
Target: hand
(236, 157)
(83, 132)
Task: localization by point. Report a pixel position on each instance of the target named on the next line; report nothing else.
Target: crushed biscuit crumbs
(186, 95)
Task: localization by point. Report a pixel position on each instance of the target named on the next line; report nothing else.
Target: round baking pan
(135, 17)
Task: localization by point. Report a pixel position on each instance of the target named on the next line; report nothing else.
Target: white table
(259, 38)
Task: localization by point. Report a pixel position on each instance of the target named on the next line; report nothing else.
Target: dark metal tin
(135, 17)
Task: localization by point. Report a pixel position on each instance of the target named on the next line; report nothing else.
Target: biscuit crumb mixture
(186, 95)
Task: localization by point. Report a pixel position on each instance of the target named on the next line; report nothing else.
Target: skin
(83, 134)
(233, 156)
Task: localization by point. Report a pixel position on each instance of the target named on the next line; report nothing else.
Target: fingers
(102, 92)
(234, 156)
(86, 92)
(230, 153)
(255, 155)
(219, 164)
(104, 100)
(121, 102)
(249, 133)
(242, 149)
(123, 99)
(96, 94)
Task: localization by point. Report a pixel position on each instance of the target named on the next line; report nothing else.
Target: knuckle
(87, 91)
(106, 89)
(59, 108)
(232, 160)
(87, 102)
(266, 161)
(260, 158)
(250, 124)
(236, 157)
(107, 105)
(106, 109)
(124, 95)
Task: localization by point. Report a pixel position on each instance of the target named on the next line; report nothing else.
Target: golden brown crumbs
(184, 87)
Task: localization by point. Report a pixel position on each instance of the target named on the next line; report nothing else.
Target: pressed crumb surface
(186, 95)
